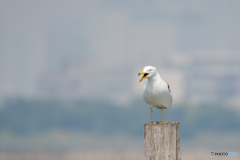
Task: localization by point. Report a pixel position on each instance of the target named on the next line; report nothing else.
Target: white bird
(156, 91)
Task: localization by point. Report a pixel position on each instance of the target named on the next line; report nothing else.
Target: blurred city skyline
(95, 49)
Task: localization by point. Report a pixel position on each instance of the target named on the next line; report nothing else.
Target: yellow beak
(144, 76)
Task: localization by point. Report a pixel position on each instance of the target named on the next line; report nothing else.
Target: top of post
(165, 123)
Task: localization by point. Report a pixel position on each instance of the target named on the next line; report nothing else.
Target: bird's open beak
(144, 75)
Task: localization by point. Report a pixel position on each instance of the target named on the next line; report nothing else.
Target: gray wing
(169, 88)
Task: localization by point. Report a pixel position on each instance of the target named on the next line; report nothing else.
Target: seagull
(157, 92)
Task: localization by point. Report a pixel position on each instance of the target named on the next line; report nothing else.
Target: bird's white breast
(157, 94)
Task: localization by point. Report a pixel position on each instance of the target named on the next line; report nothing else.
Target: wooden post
(162, 141)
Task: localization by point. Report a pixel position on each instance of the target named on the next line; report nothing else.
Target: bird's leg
(162, 116)
(151, 111)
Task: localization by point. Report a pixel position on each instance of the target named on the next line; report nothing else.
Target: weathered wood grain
(162, 141)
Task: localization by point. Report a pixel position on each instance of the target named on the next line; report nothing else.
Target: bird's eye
(149, 69)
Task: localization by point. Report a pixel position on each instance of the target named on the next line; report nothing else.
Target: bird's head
(148, 72)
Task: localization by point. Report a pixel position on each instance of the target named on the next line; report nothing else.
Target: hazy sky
(109, 41)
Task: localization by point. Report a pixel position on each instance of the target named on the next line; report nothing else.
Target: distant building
(213, 76)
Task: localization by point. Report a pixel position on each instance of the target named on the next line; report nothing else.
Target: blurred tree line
(25, 117)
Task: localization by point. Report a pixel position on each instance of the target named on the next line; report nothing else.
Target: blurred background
(68, 76)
